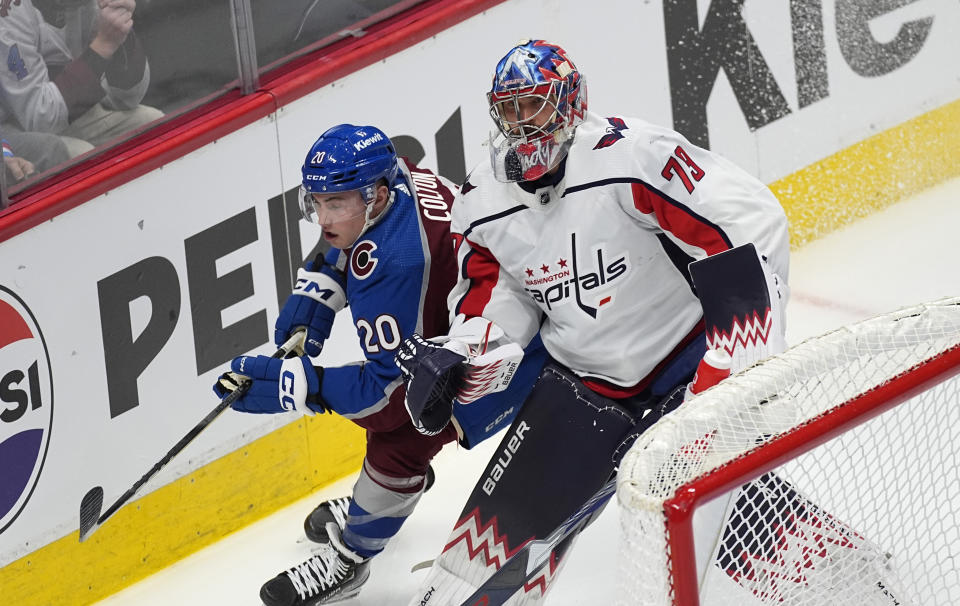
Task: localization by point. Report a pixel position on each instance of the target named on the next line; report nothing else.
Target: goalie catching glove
(275, 385)
(461, 367)
(433, 375)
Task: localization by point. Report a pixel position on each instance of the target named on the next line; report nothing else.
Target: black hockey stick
(92, 502)
(532, 557)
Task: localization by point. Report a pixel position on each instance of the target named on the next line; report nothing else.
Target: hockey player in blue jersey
(392, 261)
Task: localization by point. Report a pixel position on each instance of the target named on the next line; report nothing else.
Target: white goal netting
(829, 474)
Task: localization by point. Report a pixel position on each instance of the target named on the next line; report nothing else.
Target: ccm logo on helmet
(364, 143)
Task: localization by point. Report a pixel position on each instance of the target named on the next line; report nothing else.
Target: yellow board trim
(199, 509)
(872, 174)
(188, 514)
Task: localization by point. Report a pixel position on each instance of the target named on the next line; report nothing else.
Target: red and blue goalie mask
(537, 99)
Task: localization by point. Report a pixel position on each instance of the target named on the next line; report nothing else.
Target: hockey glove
(277, 385)
(314, 303)
(433, 375)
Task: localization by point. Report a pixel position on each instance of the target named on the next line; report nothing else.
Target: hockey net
(829, 474)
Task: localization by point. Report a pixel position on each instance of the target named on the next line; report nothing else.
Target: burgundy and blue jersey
(398, 275)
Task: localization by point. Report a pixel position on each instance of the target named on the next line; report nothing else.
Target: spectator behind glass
(41, 151)
(73, 68)
(15, 167)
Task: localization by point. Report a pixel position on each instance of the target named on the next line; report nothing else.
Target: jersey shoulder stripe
(505, 213)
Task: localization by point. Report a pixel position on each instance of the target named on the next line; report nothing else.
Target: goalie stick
(534, 555)
(92, 502)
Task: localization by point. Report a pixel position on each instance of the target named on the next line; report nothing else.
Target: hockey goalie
(630, 251)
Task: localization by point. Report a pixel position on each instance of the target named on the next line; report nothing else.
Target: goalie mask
(537, 99)
(347, 158)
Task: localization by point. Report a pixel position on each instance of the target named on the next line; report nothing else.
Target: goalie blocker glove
(316, 298)
(287, 385)
(433, 375)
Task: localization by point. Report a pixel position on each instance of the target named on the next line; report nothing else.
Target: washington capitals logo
(613, 133)
(589, 283)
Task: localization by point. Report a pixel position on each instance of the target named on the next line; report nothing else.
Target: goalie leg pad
(556, 455)
(559, 449)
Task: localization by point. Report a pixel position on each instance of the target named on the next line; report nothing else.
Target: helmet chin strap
(367, 221)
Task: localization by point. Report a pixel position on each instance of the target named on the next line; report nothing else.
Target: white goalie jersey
(598, 261)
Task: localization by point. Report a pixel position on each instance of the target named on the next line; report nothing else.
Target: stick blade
(90, 508)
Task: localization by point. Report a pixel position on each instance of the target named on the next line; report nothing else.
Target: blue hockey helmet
(347, 158)
(537, 99)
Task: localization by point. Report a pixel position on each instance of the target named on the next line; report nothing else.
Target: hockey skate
(333, 511)
(332, 574)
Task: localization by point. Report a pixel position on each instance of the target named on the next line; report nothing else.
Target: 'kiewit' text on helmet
(537, 99)
(348, 158)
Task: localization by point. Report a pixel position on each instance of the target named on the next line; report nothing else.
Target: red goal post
(829, 474)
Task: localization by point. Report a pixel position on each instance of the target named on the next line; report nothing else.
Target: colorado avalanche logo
(362, 261)
(26, 405)
(613, 133)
